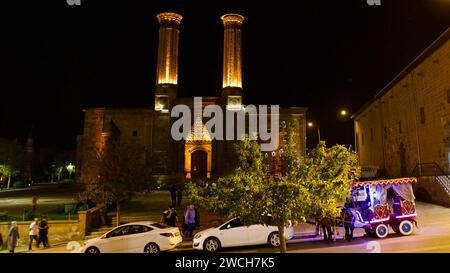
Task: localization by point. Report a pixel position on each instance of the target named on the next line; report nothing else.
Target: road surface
(433, 235)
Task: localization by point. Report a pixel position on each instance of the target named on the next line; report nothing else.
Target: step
(90, 237)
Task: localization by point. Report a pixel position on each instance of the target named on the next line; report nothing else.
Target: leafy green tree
(301, 189)
(12, 156)
(329, 174)
(122, 173)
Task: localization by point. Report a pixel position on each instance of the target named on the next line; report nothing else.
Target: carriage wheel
(381, 231)
(406, 227)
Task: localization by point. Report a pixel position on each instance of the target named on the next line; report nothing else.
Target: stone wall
(59, 231)
(65, 230)
(409, 121)
(429, 190)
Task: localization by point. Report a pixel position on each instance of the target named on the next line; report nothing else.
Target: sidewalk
(57, 248)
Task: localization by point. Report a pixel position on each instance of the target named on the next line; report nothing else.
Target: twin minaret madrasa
(167, 63)
(170, 161)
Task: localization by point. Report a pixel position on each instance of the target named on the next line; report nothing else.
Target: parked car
(148, 237)
(233, 233)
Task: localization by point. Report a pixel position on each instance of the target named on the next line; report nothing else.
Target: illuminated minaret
(232, 56)
(164, 150)
(167, 66)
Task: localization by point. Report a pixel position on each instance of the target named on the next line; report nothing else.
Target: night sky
(57, 59)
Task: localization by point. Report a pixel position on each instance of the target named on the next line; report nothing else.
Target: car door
(115, 240)
(258, 234)
(138, 236)
(233, 233)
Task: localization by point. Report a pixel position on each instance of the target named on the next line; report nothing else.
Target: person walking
(173, 195)
(33, 233)
(34, 200)
(12, 236)
(190, 220)
(43, 233)
(197, 217)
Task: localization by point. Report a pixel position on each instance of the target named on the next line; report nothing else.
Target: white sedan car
(148, 237)
(233, 233)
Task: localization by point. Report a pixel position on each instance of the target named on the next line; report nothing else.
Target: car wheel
(151, 248)
(406, 228)
(381, 231)
(274, 239)
(211, 245)
(92, 249)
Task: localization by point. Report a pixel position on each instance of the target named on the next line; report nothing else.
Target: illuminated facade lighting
(167, 66)
(232, 53)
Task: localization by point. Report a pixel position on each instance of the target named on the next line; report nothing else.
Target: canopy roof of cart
(406, 180)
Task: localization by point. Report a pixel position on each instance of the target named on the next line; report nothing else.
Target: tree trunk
(117, 213)
(282, 239)
(9, 180)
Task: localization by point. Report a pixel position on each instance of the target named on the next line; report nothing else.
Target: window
(371, 134)
(121, 231)
(135, 133)
(400, 126)
(160, 226)
(232, 224)
(422, 115)
(138, 229)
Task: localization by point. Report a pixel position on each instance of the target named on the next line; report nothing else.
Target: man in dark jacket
(173, 194)
(43, 233)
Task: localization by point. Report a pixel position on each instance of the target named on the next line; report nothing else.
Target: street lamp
(310, 125)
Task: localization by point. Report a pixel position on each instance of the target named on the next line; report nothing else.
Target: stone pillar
(232, 54)
(167, 65)
(164, 149)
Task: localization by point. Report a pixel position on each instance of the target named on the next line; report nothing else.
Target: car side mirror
(228, 226)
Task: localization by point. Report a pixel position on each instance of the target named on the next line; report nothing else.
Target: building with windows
(407, 124)
(405, 129)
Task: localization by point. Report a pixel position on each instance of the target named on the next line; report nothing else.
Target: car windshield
(160, 226)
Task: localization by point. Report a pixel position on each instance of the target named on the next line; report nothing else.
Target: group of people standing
(190, 222)
(38, 231)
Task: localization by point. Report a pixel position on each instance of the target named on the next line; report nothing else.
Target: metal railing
(427, 169)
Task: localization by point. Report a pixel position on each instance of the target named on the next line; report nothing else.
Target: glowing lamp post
(311, 125)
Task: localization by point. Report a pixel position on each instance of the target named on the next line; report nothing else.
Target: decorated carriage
(371, 209)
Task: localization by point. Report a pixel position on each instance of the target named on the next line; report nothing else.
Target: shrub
(19, 185)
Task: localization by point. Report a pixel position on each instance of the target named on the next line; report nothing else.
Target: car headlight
(198, 235)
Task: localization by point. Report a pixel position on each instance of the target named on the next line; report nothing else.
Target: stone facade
(408, 122)
(150, 128)
(169, 160)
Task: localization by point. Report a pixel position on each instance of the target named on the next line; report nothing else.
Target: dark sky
(57, 59)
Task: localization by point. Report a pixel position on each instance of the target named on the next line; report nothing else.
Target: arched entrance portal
(199, 165)
(197, 160)
(198, 153)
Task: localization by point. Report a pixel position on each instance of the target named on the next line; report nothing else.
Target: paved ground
(433, 235)
(13, 202)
